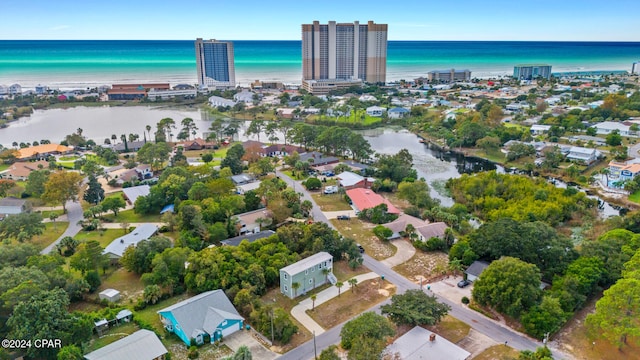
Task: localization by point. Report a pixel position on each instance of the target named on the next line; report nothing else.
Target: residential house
(144, 171)
(475, 269)
(131, 146)
(597, 141)
(420, 343)
(375, 111)
(356, 166)
(141, 345)
(252, 221)
(242, 179)
(367, 97)
(245, 96)
(131, 194)
(250, 237)
(307, 273)
(216, 101)
(349, 180)
(607, 127)
(41, 152)
(12, 206)
(129, 175)
(210, 313)
(398, 113)
(399, 225)
(539, 129)
(286, 113)
(317, 159)
(363, 199)
(583, 155)
(279, 150)
(116, 248)
(15, 89)
(20, 171)
(111, 295)
(196, 144)
(621, 172)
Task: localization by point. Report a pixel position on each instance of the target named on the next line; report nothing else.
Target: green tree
(353, 282)
(139, 258)
(94, 193)
(382, 232)
(154, 154)
(243, 353)
(366, 326)
(396, 167)
(415, 308)
(113, 203)
(295, 286)
(93, 279)
(339, 285)
(70, 352)
(22, 227)
(45, 316)
(88, 257)
(152, 294)
(36, 182)
(547, 317)
(62, 187)
(329, 353)
(233, 160)
(510, 285)
(312, 183)
(614, 138)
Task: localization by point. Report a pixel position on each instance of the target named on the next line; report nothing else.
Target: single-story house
(111, 295)
(317, 159)
(436, 229)
(307, 273)
(420, 343)
(20, 171)
(366, 199)
(356, 166)
(241, 189)
(251, 221)
(242, 179)
(349, 180)
(41, 151)
(250, 237)
(131, 194)
(423, 229)
(539, 129)
(127, 176)
(12, 206)
(210, 313)
(116, 248)
(216, 101)
(598, 141)
(375, 111)
(141, 345)
(583, 155)
(607, 127)
(398, 113)
(131, 146)
(475, 269)
(196, 144)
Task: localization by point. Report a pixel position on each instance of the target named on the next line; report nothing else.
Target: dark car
(360, 248)
(464, 283)
(343, 217)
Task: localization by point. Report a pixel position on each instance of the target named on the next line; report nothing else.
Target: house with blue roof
(210, 315)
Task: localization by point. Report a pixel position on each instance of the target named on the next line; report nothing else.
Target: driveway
(404, 252)
(335, 214)
(74, 214)
(243, 337)
(448, 289)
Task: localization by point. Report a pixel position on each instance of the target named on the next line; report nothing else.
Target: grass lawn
(331, 202)
(300, 175)
(498, 352)
(104, 237)
(97, 159)
(492, 155)
(128, 283)
(131, 217)
(362, 233)
(351, 302)
(451, 329)
(518, 126)
(635, 197)
(51, 233)
(428, 265)
(114, 334)
(150, 315)
(46, 213)
(4, 167)
(357, 117)
(343, 272)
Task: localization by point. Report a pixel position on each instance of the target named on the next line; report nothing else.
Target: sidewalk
(299, 311)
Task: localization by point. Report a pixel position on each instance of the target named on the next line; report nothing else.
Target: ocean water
(78, 63)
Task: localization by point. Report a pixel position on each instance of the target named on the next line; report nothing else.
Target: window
(224, 323)
(286, 276)
(325, 264)
(306, 272)
(286, 288)
(310, 281)
(313, 268)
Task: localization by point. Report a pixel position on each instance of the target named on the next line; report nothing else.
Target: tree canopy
(415, 308)
(365, 336)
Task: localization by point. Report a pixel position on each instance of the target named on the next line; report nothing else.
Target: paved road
(74, 214)
(477, 321)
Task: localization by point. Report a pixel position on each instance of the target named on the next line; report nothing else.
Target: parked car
(343, 217)
(360, 248)
(328, 173)
(464, 283)
(331, 189)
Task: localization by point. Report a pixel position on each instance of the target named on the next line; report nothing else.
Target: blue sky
(580, 20)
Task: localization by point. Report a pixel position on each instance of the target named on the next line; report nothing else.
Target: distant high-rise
(531, 72)
(348, 51)
(635, 68)
(449, 76)
(215, 63)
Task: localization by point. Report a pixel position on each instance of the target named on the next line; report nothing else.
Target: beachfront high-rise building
(531, 72)
(216, 68)
(344, 52)
(448, 76)
(635, 68)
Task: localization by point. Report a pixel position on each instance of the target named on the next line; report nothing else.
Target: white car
(331, 189)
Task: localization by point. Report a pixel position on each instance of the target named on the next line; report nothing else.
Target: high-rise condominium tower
(215, 63)
(344, 51)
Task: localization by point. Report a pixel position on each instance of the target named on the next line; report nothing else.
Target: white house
(398, 113)
(376, 111)
(216, 101)
(539, 129)
(607, 127)
(367, 97)
(116, 248)
(583, 155)
(15, 89)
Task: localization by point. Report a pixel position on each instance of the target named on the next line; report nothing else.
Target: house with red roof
(366, 199)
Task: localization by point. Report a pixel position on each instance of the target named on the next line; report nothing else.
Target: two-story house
(306, 274)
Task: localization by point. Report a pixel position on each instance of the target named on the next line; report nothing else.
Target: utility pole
(315, 350)
(272, 327)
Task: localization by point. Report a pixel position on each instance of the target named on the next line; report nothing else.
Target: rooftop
(119, 245)
(415, 345)
(235, 241)
(134, 192)
(306, 263)
(141, 345)
(41, 149)
(366, 199)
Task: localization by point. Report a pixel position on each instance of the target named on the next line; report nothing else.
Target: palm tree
(325, 272)
(339, 284)
(605, 172)
(313, 301)
(114, 138)
(243, 353)
(352, 282)
(148, 127)
(295, 286)
(455, 266)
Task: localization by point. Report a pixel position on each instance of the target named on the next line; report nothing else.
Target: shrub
(383, 233)
(312, 184)
(465, 300)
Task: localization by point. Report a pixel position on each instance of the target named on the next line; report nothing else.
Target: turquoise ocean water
(89, 63)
